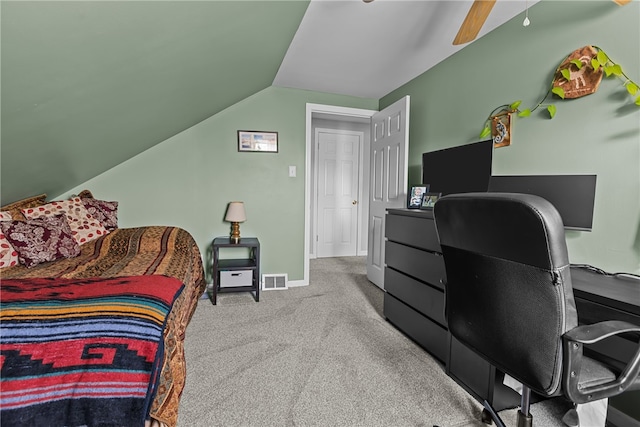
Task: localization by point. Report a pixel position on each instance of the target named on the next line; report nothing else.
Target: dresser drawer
(425, 266)
(413, 231)
(424, 298)
(471, 370)
(428, 334)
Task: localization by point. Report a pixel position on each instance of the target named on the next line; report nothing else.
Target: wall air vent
(274, 282)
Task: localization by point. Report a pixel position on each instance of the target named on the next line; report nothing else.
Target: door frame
(314, 191)
(311, 109)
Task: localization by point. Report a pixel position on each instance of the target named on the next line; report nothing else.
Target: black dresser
(414, 303)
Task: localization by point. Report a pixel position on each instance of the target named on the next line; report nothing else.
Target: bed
(96, 338)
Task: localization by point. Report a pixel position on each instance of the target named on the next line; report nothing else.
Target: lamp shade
(235, 212)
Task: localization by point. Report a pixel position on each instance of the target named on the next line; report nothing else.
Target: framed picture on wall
(415, 196)
(429, 200)
(265, 142)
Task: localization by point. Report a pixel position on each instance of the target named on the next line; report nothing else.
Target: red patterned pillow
(84, 227)
(103, 211)
(8, 255)
(41, 240)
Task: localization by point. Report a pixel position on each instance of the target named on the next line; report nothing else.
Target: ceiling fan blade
(472, 24)
(621, 2)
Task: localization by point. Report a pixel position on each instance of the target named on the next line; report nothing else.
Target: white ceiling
(369, 49)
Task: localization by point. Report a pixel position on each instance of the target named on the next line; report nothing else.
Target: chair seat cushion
(594, 372)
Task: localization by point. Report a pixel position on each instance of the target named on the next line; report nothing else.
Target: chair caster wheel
(486, 417)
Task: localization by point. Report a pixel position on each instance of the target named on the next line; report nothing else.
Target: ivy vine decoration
(589, 60)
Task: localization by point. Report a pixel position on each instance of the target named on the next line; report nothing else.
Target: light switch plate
(292, 171)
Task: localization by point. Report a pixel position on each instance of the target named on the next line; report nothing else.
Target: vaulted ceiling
(87, 85)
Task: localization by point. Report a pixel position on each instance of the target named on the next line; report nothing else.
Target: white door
(388, 185)
(338, 154)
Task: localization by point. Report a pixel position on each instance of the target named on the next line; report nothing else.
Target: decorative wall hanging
(576, 76)
(266, 142)
(501, 129)
(579, 74)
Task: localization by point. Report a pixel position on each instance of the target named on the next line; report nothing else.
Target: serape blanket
(153, 250)
(82, 352)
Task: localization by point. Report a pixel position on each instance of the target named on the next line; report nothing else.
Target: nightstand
(236, 274)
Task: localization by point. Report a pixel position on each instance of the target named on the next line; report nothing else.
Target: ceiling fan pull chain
(526, 21)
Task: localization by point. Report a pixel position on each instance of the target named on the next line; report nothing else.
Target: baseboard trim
(295, 283)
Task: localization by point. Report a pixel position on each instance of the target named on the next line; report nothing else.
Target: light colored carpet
(320, 355)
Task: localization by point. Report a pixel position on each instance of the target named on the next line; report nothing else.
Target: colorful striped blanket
(78, 352)
(142, 251)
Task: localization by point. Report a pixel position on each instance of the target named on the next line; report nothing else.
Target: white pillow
(84, 227)
(8, 255)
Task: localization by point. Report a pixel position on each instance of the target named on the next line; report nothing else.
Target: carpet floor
(319, 355)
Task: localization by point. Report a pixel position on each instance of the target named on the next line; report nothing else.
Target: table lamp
(235, 215)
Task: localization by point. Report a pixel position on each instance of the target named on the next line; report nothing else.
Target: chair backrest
(508, 294)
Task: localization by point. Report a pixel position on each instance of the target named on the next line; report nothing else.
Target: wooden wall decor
(582, 81)
(501, 129)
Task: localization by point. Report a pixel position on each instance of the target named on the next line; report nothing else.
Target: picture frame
(429, 200)
(414, 201)
(257, 141)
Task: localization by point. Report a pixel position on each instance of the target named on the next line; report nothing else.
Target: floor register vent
(274, 282)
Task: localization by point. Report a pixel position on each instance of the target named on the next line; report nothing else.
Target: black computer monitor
(572, 195)
(461, 169)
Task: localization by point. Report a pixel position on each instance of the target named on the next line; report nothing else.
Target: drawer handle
(236, 274)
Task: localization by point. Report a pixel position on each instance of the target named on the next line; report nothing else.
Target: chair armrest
(589, 334)
(573, 342)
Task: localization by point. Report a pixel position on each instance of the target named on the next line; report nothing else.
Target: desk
(620, 293)
(602, 297)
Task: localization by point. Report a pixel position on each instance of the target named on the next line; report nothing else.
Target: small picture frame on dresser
(429, 200)
(415, 196)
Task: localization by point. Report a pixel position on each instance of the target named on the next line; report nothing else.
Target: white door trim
(310, 110)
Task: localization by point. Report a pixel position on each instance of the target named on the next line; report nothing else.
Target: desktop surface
(618, 291)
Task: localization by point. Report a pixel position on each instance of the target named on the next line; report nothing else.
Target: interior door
(388, 185)
(338, 170)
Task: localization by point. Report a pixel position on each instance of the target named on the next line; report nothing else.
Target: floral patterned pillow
(84, 227)
(8, 255)
(103, 211)
(41, 240)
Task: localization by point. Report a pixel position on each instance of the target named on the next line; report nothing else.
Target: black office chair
(509, 298)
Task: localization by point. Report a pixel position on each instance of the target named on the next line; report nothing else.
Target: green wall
(598, 134)
(188, 179)
(87, 85)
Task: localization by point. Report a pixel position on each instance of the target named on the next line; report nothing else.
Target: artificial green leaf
(602, 57)
(485, 132)
(595, 64)
(552, 110)
(515, 105)
(558, 91)
(608, 70)
(577, 63)
(524, 113)
(566, 74)
(632, 88)
(638, 100)
(616, 69)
